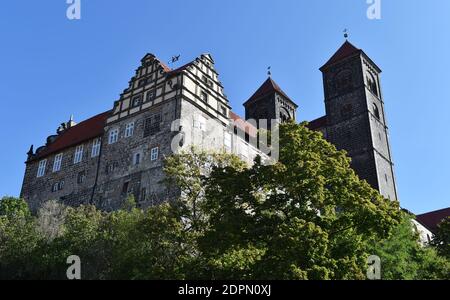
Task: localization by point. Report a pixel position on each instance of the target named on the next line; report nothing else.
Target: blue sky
(52, 67)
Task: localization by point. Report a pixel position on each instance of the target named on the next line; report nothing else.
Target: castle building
(104, 159)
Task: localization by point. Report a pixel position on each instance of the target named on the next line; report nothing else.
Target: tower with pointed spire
(355, 117)
(270, 102)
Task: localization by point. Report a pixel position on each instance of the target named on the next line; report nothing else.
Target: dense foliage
(308, 216)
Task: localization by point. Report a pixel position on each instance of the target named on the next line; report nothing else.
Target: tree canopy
(307, 216)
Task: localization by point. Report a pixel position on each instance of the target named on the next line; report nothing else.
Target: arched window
(376, 111)
(372, 83)
(284, 115)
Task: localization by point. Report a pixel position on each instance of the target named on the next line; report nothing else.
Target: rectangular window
(41, 168)
(58, 186)
(152, 125)
(129, 129)
(113, 136)
(204, 96)
(125, 188)
(110, 168)
(78, 157)
(96, 147)
(136, 159)
(81, 177)
(154, 154)
(142, 82)
(57, 163)
(223, 111)
(143, 194)
(136, 101)
(227, 141)
(150, 96)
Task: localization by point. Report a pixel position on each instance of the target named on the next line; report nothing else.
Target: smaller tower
(271, 103)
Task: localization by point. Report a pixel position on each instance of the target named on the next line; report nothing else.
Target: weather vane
(269, 72)
(174, 59)
(346, 33)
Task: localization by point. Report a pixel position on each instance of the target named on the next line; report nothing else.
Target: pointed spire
(347, 49)
(268, 87)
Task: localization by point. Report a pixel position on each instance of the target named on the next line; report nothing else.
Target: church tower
(355, 116)
(271, 103)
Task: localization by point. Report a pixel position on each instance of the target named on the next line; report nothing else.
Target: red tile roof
(166, 68)
(244, 125)
(178, 70)
(267, 88)
(318, 123)
(432, 219)
(346, 50)
(84, 131)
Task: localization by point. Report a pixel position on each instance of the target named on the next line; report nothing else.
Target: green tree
(442, 238)
(306, 217)
(19, 240)
(404, 258)
(10, 206)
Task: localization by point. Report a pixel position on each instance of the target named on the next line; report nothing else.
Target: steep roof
(431, 219)
(268, 87)
(318, 123)
(84, 131)
(346, 50)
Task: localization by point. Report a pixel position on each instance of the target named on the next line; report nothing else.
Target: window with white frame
(129, 129)
(154, 154)
(113, 136)
(78, 157)
(57, 163)
(41, 168)
(96, 147)
(227, 141)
